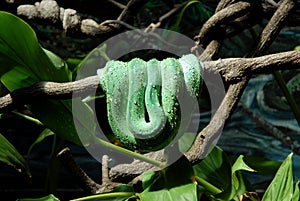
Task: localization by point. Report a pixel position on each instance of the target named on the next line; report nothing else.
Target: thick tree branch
(86, 183)
(232, 69)
(223, 16)
(235, 69)
(273, 27)
(210, 134)
(49, 90)
(71, 20)
(212, 131)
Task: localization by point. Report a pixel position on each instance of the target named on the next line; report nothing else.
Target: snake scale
(142, 98)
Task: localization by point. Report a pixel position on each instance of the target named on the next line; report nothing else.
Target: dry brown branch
(235, 69)
(210, 134)
(49, 90)
(273, 27)
(222, 17)
(166, 16)
(71, 20)
(85, 182)
(224, 4)
(211, 131)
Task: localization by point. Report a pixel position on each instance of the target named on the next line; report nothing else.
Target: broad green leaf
(170, 184)
(296, 194)
(60, 65)
(215, 169)
(281, 187)
(10, 156)
(185, 192)
(18, 77)
(19, 48)
(24, 62)
(58, 116)
(46, 198)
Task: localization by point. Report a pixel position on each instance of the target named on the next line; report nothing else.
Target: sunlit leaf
(281, 187)
(239, 164)
(24, 62)
(19, 48)
(170, 184)
(296, 194)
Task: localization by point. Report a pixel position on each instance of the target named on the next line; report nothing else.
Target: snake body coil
(143, 106)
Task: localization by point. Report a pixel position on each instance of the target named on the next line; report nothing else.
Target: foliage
(218, 177)
(46, 198)
(24, 62)
(10, 156)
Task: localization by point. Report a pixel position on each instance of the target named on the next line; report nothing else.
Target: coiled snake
(143, 106)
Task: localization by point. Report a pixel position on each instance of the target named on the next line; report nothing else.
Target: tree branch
(85, 182)
(212, 131)
(223, 16)
(235, 71)
(54, 90)
(232, 69)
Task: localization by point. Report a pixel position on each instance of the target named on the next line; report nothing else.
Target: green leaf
(10, 156)
(23, 62)
(240, 183)
(46, 198)
(261, 164)
(281, 187)
(45, 133)
(215, 169)
(170, 184)
(58, 116)
(112, 196)
(19, 48)
(239, 164)
(123, 188)
(61, 67)
(296, 194)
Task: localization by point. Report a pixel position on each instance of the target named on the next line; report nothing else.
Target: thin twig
(119, 5)
(167, 15)
(272, 130)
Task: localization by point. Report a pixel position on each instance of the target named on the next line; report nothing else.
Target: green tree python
(142, 98)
